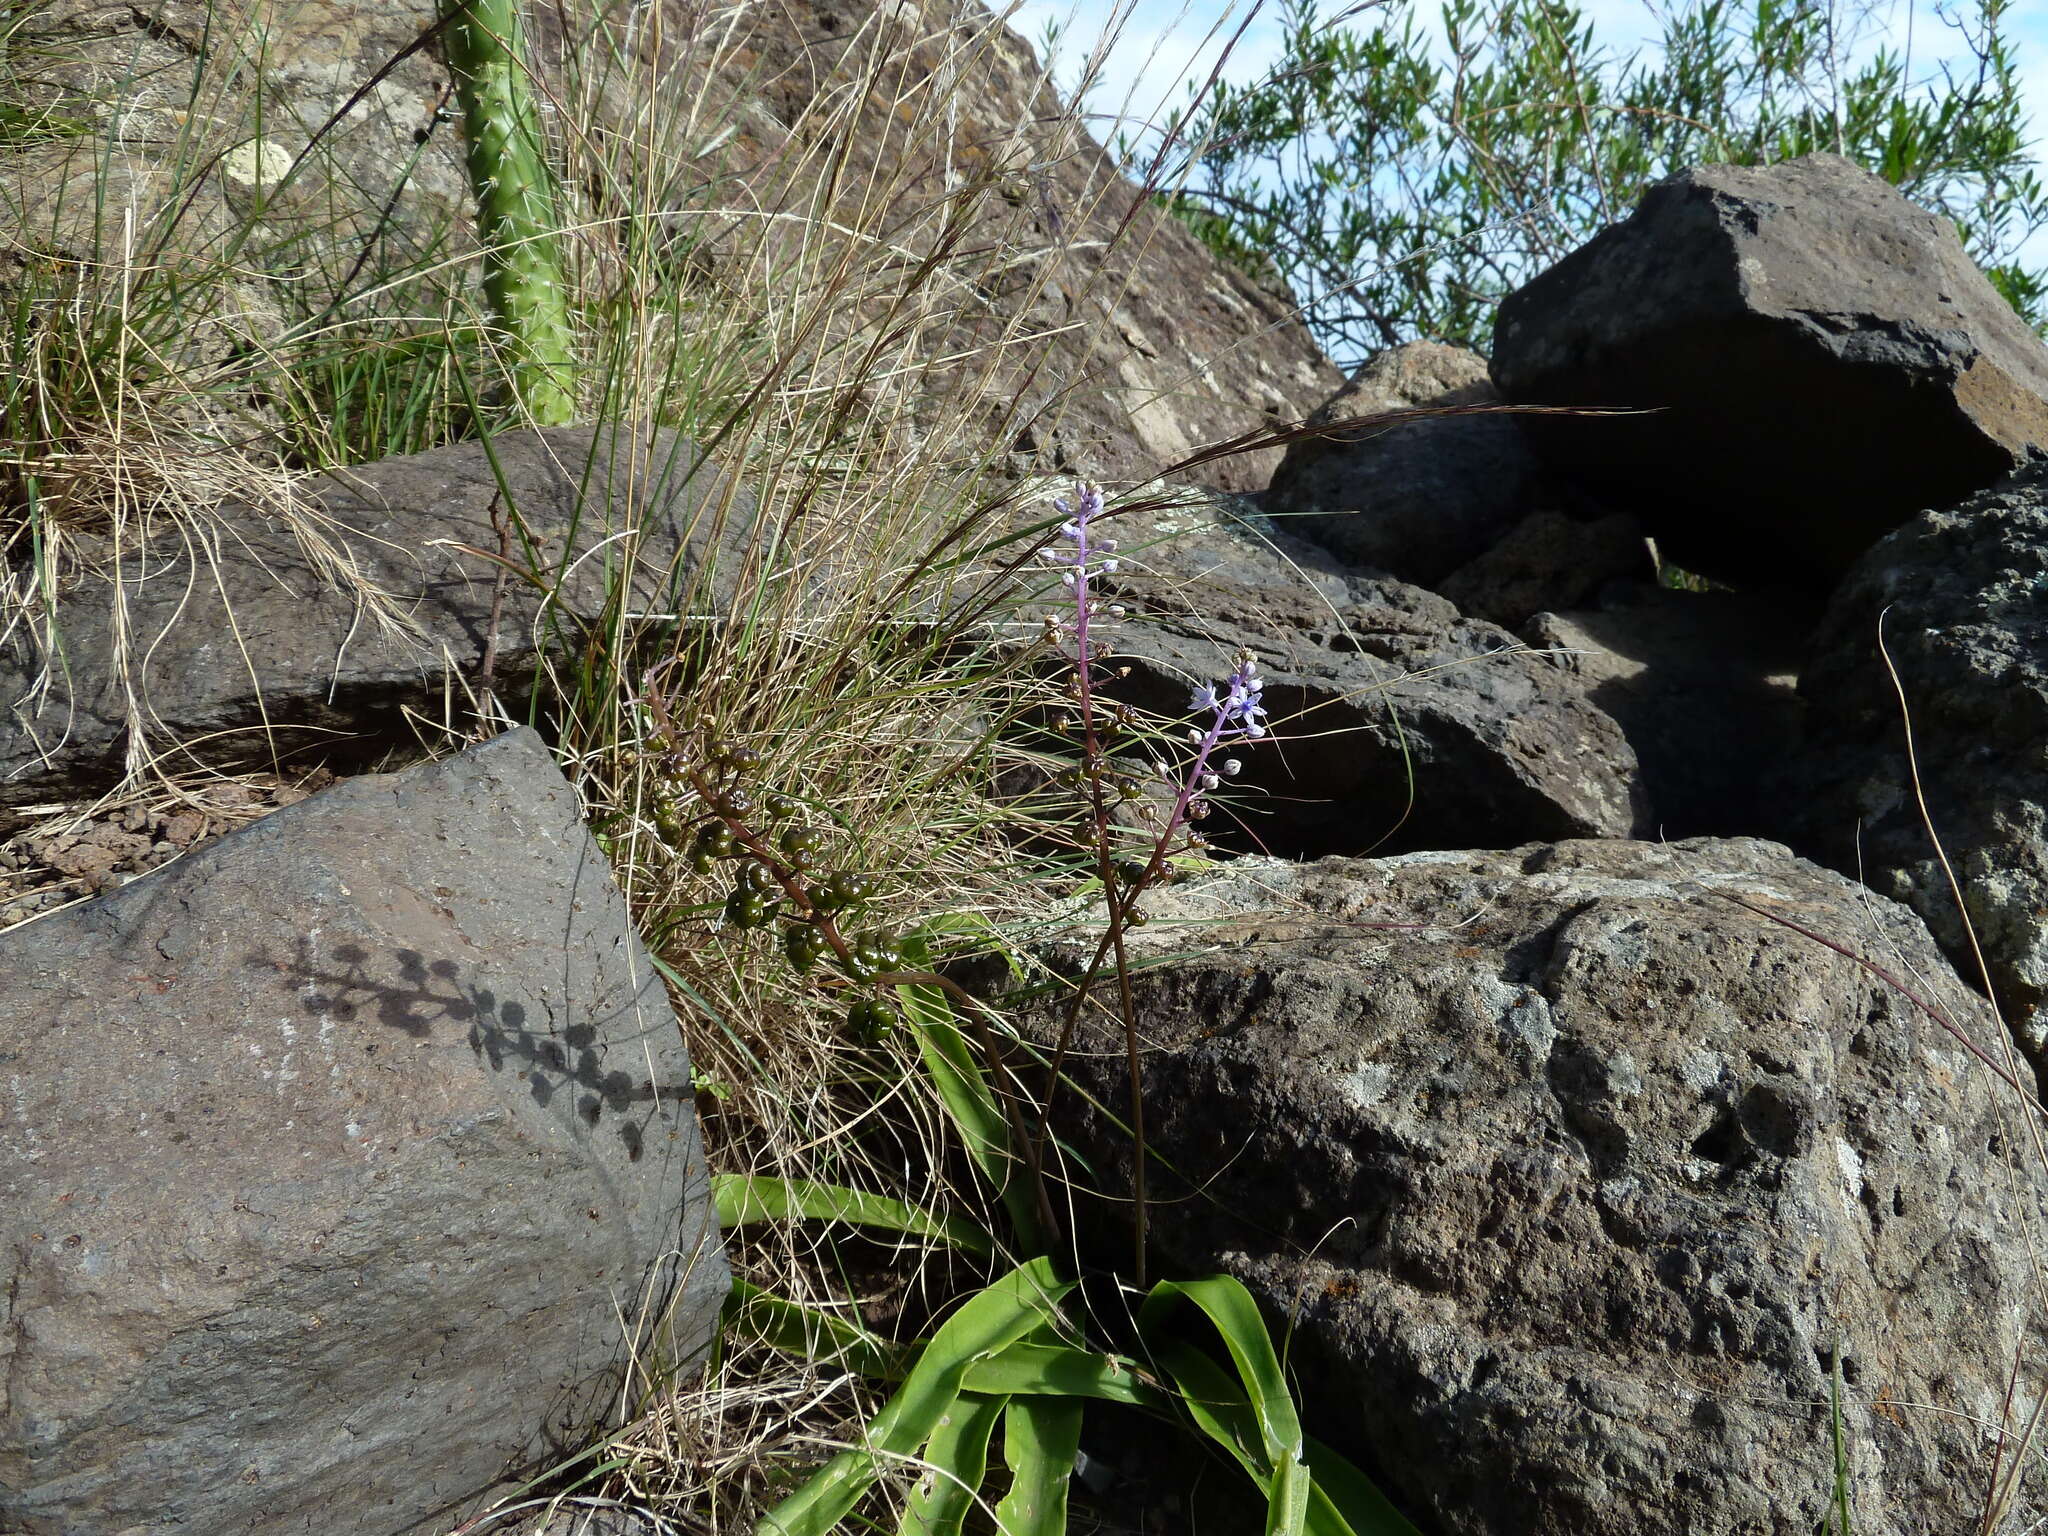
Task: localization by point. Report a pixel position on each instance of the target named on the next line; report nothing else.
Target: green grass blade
(1052, 1370)
(956, 1461)
(796, 1329)
(1040, 1439)
(984, 1129)
(744, 1198)
(1007, 1310)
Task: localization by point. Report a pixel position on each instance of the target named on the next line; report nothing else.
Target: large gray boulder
(1401, 723)
(1963, 595)
(337, 1157)
(1567, 1199)
(1414, 499)
(1824, 358)
(249, 648)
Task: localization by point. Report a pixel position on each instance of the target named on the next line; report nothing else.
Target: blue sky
(1161, 44)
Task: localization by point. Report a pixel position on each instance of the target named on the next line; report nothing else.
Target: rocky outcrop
(1064, 318)
(327, 1186)
(1415, 499)
(1401, 723)
(399, 582)
(1963, 599)
(1822, 358)
(1571, 1177)
(141, 95)
(1107, 341)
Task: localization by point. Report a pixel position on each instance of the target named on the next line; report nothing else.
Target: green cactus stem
(515, 204)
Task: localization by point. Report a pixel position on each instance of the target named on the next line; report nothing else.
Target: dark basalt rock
(1963, 599)
(1414, 499)
(1401, 723)
(255, 653)
(1823, 357)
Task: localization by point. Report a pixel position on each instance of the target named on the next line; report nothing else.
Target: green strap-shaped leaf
(1230, 1307)
(1053, 1370)
(984, 1129)
(1217, 1404)
(1320, 1493)
(744, 1198)
(1005, 1311)
(1354, 1504)
(813, 1334)
(1040, 1438)
(956, 1460)
(1287, 1496)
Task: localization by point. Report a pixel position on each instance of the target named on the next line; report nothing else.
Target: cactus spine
(508, 172)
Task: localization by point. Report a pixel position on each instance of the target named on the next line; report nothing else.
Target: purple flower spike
(1081, 557)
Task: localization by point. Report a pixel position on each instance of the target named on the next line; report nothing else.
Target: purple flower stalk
(1235, 713)
(1234, 707)
(1085, 557)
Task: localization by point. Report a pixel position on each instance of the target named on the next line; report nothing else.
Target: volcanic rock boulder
(337, 1156)
(1414, 499)
(262, 641)
(1823, 357)
(1568, 1203)
(1400, 723)
(1549, 561)
(1963, 596)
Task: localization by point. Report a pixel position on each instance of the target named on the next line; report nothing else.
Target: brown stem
(800, 898)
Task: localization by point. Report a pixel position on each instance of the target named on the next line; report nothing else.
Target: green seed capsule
(870, 1020)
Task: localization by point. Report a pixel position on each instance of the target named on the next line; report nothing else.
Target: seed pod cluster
(776, 873)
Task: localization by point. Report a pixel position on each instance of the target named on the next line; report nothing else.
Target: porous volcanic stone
(1567, 1204)
(250, 651)
(336, 1156)
(1964, 599)
(1401, 723)
(1825, 359)
(1416, 499)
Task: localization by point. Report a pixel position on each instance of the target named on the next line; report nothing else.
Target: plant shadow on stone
(564, 1064)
